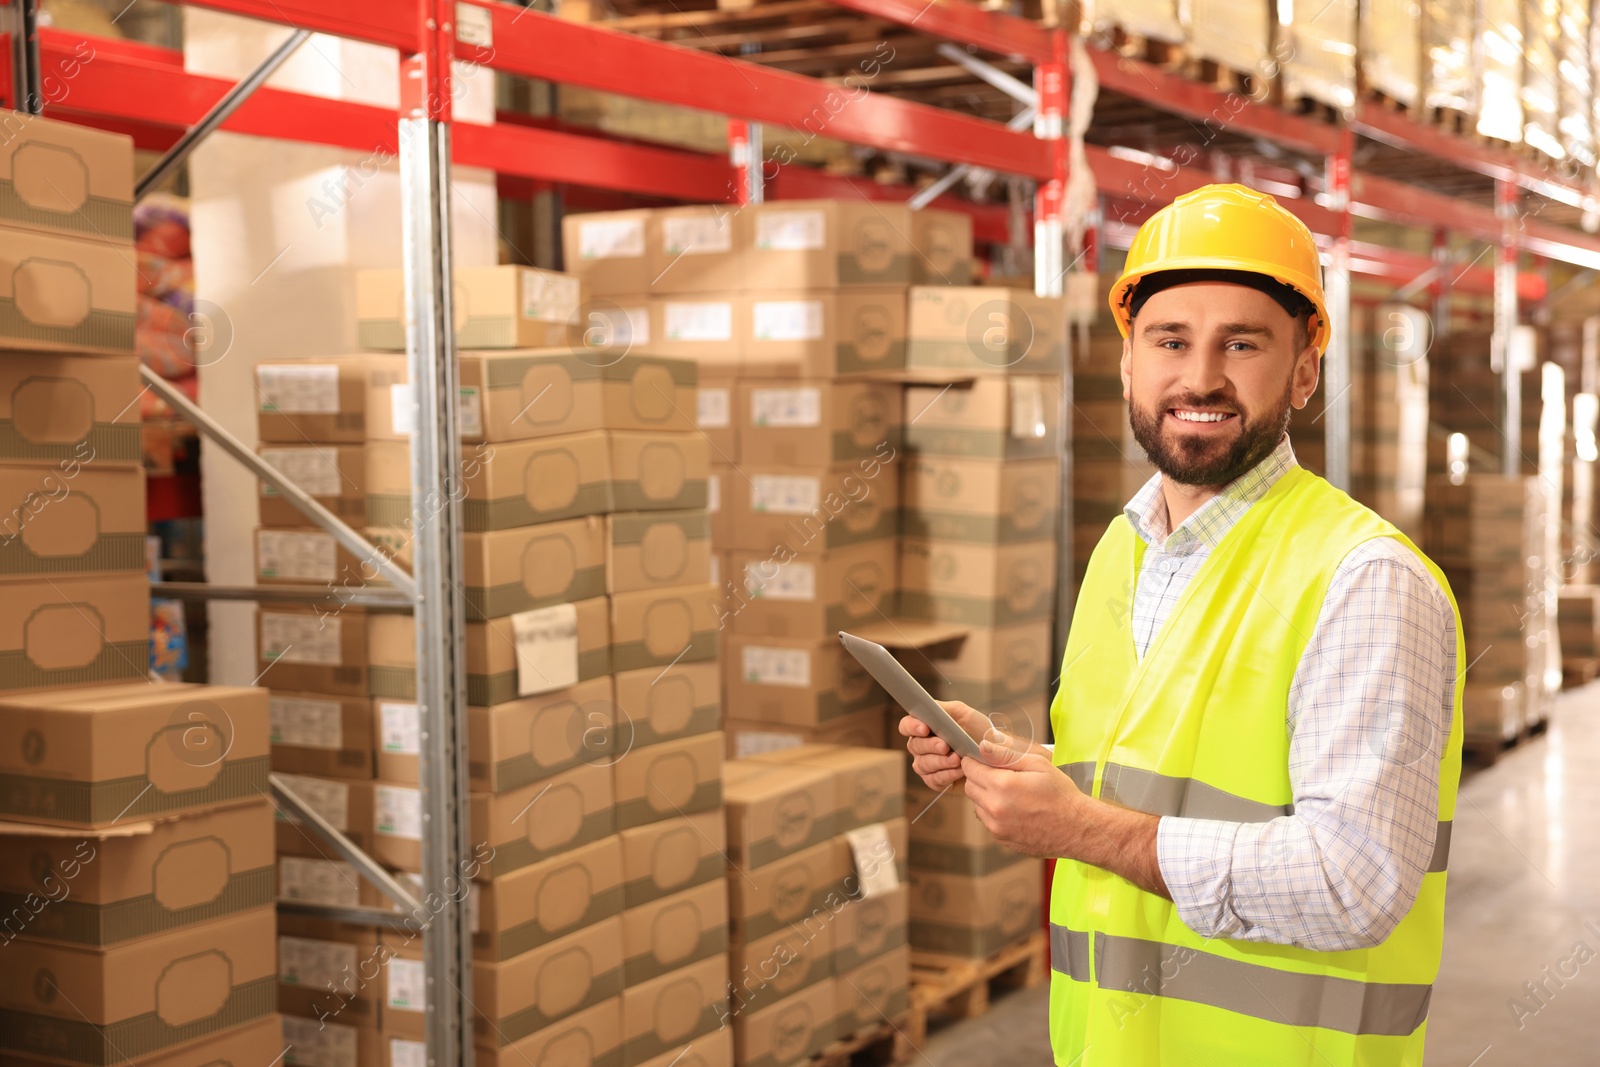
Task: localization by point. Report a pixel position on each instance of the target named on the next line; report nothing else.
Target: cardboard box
(525, 654)
(89, 521)
(657, 550)
(668, 857)
(92, 757)
(530, 567)
(980, 501)
(796, 681)
(696, 249)
(992, 418)
(867, 729)
(1003, 671)
(985, 329)
(325, 881)
(658, 471)
(59, 177)
(671, 778)
(865, 856)
(777, 595)
(72, 631)
(714, 406)
(607, 250)
(788, 1032)
(313, 649)
(712, 1050)
(674, 932)
(512, 396)
(653, 705)
(957, 915)
(826, 244)
(397, 824)
(322, 400)
(949, 838)
(105, 890)
(309, 557)
(876, 990)
(767, 969)
(708, 328)
(507, 306)
(663, 1014)
(313, 1043)
(543, 819)
(867, 928)
(977, 585)
(67, 411)
(806, 884)
(334, 475)
(800, 509)
(322, 735)
(775, 810)
(344, 803)
(718, 513)
(328, 969)
(868, 782)
(942, 241)
(139, 997)
(66, 294)
(588, 1038)
(816, 423)
(519, 911)
(658, 627)
(234, 1045)
(823, 334)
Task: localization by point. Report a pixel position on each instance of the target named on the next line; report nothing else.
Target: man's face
(1210, 371)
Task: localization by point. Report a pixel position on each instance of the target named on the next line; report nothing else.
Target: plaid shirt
(1369, 712)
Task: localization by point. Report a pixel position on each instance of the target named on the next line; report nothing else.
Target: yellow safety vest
(1198, 729)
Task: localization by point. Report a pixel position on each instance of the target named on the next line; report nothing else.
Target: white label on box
(785, 494)
(786, 408)
(712, 408)
(611, 239)
(550, 297)
(311, 469)
(469, 413)
(791, 231)
(319, 881)
(329, 799)
(304, 961)
(399, 811)
(402, 409)
(713, 493)
(307, 723)
(698, 321)
(547, 648)
(474, 25)
(1027, 408)
(407, 985)
(400, 728)
(307, 389)
(616, 327)
(697, 235)
(781, 581)
(754, 742)
(403, 1052)
(787, 320)
(777, 666)
(301, 639)
(299, 555)
(874, 856)
(314, 1043)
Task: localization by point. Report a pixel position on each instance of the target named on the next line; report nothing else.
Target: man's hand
(1025, 802)
(932, 759)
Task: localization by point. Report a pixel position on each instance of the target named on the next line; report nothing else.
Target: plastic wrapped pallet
(1318, 46)
(1233, 35)
(1499, 70)
(1390, 51)
(1448, 80)
(1156, 19)
(1541, 105)
(1576, 82)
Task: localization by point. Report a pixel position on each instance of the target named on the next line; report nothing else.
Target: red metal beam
(963, 23)
(554, 155)
(535, 45)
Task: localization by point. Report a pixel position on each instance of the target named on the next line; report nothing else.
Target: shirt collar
(1147, 511)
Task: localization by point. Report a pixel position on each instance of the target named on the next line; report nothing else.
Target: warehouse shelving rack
(1491, 195)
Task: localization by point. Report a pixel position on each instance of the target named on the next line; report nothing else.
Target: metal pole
(1018, 122)
(219, 113)
(1050, 81)
(22, 23)
(744, 152)
(1336, 366)
(425, 112)
(1505, 322)
(307, 505)
(1440, 288)
(369, 867)
(993, 75)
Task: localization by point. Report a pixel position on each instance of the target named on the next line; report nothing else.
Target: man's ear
(1124, 368)
(1307, 370)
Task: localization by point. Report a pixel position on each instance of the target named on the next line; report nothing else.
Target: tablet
(909, 694)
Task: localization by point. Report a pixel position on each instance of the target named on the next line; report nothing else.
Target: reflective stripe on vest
(1160, 794)
(1127, 964)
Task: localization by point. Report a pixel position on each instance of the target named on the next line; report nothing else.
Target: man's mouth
(1197, 415)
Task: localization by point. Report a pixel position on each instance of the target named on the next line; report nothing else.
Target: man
(1258, 717)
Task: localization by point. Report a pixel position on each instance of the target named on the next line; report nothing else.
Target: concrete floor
(1523, 906)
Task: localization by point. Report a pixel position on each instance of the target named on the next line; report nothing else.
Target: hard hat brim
(1122, 290)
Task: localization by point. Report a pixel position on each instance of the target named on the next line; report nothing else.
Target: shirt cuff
(1195, 857)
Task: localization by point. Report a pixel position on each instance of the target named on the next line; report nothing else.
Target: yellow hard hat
(1230, 228)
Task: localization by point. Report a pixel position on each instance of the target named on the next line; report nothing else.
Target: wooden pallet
(1387, 102)
(955, 988)
(1486, 749)
(1450, 120)
(1168, 54)
(888, 1042)
(1580, 670)
(1311, 107)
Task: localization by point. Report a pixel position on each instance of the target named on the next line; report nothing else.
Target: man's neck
(1184, 500)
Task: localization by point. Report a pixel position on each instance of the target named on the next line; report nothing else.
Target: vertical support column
(744, 152)
(425, 115)
(1440, 287)
(1501, 355)
(1336, 378)
(22, 23)
(1049, 124)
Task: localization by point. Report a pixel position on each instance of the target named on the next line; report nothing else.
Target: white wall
(279, 230)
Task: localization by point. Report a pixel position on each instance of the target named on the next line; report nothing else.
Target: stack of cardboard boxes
(816, 839)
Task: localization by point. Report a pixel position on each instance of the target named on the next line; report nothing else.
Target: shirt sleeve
(1369, 716)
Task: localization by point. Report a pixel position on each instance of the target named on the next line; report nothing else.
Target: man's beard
(1197, 461)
